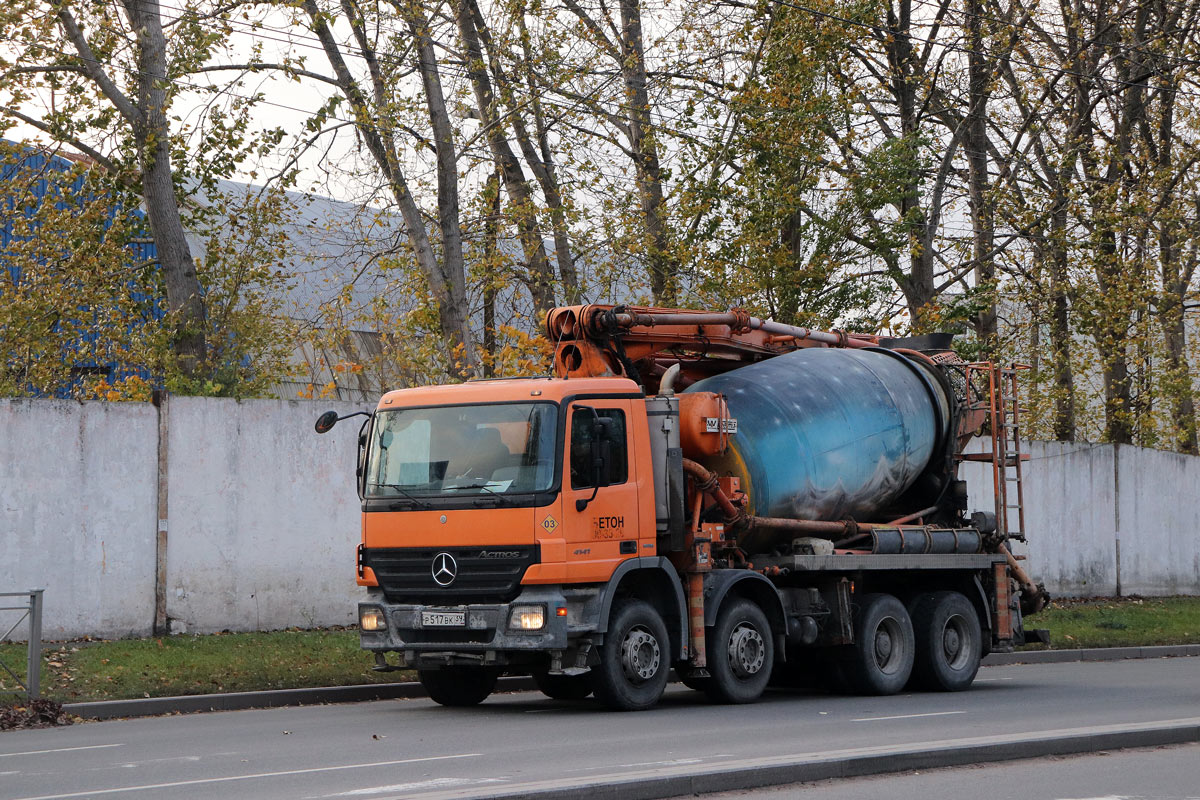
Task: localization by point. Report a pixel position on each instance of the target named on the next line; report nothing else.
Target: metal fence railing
(33, 664)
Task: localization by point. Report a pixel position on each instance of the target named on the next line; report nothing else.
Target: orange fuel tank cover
(704, 424)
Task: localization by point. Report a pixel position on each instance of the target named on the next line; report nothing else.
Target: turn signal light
(561, 611)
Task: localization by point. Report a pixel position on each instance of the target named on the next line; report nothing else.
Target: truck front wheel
(741, 654)
(635, 660)
(881, 659)
(459, 686)
(949, 641)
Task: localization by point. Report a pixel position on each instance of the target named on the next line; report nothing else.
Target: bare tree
(374, 112)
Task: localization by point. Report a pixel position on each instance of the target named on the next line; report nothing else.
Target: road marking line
(60, 750)
(436, 783)
(672, 763)
(200, 781)
(159, 761)
(909, 716)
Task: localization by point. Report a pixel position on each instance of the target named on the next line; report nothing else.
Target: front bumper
(486, 628)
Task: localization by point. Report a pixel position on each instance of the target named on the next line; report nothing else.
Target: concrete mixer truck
(741, 501)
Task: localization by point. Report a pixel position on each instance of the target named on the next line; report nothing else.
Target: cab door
(600, 494)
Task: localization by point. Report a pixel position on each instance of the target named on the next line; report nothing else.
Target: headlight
(372, 619)
(527, 618)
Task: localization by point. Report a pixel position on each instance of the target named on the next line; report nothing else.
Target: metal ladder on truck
(1003, 409)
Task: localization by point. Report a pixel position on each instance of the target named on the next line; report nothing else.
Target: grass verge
(240, 662)
(1124, 622)
(176, 665)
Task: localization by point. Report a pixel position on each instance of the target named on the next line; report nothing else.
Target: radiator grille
(482, 574)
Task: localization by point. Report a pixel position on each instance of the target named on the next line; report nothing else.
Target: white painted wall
(1081, 499)
(1159, 522)
(77, 513)
(263, 515)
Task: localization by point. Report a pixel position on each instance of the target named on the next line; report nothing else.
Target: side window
(583, 446)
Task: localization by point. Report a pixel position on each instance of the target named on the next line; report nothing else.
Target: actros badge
(445, 569)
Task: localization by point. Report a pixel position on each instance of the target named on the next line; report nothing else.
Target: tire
(459, 686)
(635, 659)
(563, 687)
(741, 655)
(949, 641)
(881, 659)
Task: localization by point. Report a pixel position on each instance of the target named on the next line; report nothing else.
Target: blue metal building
(46, 175)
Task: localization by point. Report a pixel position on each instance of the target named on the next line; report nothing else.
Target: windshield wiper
(409, 500)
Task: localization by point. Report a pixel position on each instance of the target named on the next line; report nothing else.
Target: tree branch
(286, 68)
(58, 136)
(91, 67)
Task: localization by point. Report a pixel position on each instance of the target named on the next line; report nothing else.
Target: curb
(275, 698)
(1090, 654)
(240, 701)
(809, 767)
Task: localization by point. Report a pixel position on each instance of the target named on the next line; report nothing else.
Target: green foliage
(243, 271)
(84, 298)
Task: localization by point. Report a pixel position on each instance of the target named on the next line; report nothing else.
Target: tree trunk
(185, 296)
(448, 290)
(540, 276)
(917, 285)
(1064, 424)
(466, 360)
(541, 162)
(977, 145)
(659, 259)
(491, 252)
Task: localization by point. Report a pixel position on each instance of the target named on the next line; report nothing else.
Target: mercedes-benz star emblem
(445, 569)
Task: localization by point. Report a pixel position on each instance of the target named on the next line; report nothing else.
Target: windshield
(462, 450)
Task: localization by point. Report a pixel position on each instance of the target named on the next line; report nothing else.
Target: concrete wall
(262, 515)
(1106, 519)
(77, 512)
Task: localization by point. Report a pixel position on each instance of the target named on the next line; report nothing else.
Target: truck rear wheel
(881, 659)
(948, 641)
(459, 686)
(563, 687)
(635, 659)
(741, 654)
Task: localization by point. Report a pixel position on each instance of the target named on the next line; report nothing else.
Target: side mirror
(326, 421)
(601, 457)
(602, 452)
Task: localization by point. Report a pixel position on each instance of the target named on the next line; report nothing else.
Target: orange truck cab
(498, 520)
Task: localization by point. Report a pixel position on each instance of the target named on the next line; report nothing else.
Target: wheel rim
(640, 655)
(747, 650)
(888, 647)
(956, 642)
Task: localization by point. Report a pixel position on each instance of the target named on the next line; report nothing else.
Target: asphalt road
(1144, 773)
(525, 742)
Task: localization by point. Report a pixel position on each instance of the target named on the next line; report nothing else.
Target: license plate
(444, 619)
